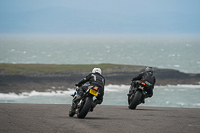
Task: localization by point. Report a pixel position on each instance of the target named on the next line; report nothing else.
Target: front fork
(79, 105)
(76, 105)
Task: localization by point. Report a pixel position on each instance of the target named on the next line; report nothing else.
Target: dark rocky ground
(43, 81)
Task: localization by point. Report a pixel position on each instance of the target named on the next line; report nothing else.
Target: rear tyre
(136, 100)
(86, 107)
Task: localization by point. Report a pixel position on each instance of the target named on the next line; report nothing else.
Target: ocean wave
(180, 86)
(35, 93)
(116, 88)
(108, 88)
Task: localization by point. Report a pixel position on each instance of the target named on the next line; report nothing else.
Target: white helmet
(96, 70)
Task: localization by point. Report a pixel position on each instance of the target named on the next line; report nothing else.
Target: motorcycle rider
(95, 79)
(144, 76)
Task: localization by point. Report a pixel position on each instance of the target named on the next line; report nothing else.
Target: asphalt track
(53, 118)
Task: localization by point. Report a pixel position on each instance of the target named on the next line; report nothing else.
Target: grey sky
(188, 10)
(114, 6)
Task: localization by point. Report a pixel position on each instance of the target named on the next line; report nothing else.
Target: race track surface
(53, 118)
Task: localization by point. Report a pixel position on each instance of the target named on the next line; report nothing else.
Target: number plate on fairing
(93, 92)
(140, 87)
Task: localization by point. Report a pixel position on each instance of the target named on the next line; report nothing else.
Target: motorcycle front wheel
(86, 107)
(128, 100)
(136, 100)
(71, 113)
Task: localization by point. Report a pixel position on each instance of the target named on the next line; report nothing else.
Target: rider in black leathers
(144, 76)
(95, 79)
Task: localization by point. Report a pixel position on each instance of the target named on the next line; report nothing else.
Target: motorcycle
(83, 105)
(138, 96)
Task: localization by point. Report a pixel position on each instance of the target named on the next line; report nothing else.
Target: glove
(96, 101)
(76, 84)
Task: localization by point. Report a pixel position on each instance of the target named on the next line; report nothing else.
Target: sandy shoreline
(53, 118)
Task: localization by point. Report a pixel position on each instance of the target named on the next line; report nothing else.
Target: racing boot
(92, 106)
(143, 101)
(131, 90)
(96, 101)
(130, 93)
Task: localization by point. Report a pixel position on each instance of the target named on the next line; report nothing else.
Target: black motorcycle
(83, 105)
(138, 95)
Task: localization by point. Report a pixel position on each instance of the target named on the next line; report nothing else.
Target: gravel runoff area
(53, 118)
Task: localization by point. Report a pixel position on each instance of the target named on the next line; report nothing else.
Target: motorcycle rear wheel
(86, 107)
(136, 100)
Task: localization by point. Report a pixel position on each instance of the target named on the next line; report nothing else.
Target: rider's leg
(99, 99)
(149, 93)
(131, 89)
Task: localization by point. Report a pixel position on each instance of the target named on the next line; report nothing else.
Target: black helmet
(149, 69)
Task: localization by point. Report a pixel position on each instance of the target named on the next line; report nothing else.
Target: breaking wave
(164, 96)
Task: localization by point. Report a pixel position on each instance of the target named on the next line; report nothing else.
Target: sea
(179, 52)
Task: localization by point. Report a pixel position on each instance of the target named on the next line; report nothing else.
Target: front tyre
(72, 111)
(71, 114)
(86, 107)
(129, 99)
(136, 100)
